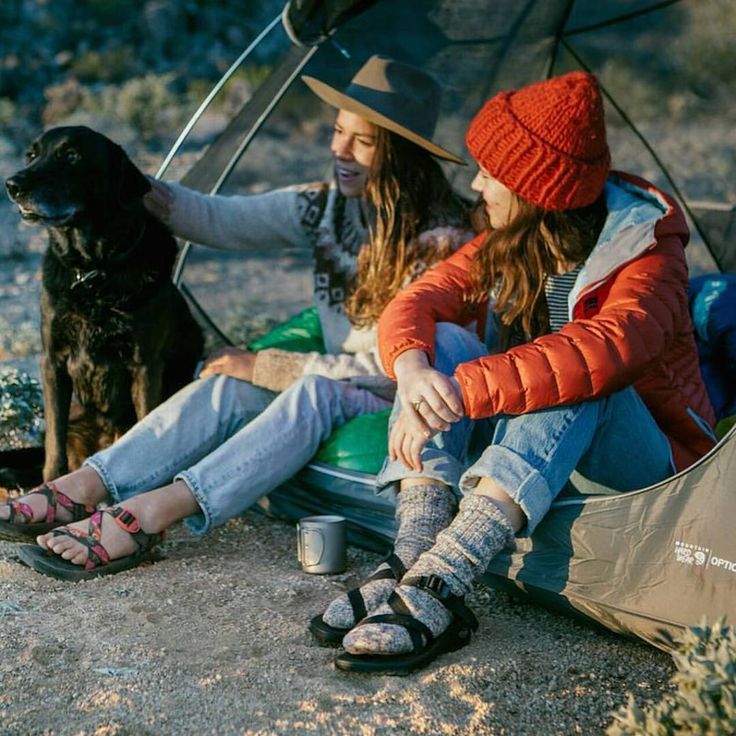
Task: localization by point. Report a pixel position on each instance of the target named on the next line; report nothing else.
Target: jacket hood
(638, 214)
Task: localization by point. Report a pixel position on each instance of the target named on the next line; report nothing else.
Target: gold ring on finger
(416, 404)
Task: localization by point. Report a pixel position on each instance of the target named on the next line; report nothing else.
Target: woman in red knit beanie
(585, 273)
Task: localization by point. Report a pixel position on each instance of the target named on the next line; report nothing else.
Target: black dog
(117, 335)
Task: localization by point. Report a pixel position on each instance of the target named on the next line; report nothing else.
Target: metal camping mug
(320, 544)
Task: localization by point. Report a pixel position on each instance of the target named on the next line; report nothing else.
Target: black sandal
(18, 527)
(426, 646)
(98, 562)
(332, 636)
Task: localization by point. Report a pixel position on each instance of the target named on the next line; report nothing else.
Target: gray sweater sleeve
(237, 222)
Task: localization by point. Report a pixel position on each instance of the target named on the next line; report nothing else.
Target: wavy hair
(516, 259)
(408, 193)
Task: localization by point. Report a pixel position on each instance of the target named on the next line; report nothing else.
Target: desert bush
(704, 697)
(114, 65)
(61, 100)
(21, 409)
(7, 111)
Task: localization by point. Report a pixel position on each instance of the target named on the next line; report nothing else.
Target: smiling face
(500, 204)
(353, 148)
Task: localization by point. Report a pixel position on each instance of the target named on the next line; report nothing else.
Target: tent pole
(255, 127)
(213, 93)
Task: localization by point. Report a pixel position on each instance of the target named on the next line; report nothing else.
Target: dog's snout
(14, 187)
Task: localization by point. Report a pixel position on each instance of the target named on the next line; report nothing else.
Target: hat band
(419, 116)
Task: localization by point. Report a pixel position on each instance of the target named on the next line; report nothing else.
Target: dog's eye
(68, 154)
(31, 155)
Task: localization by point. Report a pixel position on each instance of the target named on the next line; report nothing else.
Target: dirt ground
(212, 639)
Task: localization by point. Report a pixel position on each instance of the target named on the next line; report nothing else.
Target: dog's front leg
(57, 391)
(146, 389)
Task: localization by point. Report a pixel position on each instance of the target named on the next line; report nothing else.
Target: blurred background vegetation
(147, 65)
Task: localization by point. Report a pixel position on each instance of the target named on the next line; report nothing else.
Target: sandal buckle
(433, 583)
(128, 521)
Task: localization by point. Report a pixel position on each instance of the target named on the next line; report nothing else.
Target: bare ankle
(83, 486)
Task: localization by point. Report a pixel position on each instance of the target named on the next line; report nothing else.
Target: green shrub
(7, 111)
(61, 100)
(21, 410)
(704, 700)
(113, 65)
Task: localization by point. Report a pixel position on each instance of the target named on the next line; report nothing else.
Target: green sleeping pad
(361, 443)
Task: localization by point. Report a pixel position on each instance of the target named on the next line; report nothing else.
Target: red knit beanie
(545, 142)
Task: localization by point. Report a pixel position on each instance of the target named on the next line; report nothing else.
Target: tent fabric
(648, 563)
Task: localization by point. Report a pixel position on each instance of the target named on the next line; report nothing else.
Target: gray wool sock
(421, 512)
(461, 553)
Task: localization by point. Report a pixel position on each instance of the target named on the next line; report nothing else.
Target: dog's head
(74, 175)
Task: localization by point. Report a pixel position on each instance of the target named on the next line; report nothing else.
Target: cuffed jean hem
(436, 465)
(523, 483)
(105, 477)
(202, 522)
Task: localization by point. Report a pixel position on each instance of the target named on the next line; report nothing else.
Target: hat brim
(344, 102)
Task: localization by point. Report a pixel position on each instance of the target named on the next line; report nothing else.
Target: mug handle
(299, 551)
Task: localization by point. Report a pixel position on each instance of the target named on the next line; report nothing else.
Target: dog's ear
(131, 184)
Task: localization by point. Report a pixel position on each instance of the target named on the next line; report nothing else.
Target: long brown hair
(516, 259)
(409, 193)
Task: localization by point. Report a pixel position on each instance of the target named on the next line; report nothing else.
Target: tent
(647, 563)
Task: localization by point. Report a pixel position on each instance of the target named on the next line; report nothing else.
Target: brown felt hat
(393, 95)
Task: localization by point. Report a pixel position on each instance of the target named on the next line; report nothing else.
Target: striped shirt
(557, 288)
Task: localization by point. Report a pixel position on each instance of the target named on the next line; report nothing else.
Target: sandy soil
(212, 639)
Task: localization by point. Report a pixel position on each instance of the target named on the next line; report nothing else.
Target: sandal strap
(97, 554)
(419, 633)
(440, 590)
(397, 566)
(18, 510)
(394, 571)
(54, 498)
(57, 498)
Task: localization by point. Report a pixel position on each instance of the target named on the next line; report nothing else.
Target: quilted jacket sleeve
(438, 296)
(642, 306)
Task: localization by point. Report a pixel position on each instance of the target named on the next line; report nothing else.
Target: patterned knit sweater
(317, 217)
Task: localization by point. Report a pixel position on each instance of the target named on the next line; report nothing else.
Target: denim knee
(455, 345)
(444, 456)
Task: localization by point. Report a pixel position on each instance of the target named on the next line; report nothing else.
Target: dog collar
(81, 277)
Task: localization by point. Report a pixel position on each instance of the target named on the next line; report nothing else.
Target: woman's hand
(159, 200)
(229, 361)
(430, 401)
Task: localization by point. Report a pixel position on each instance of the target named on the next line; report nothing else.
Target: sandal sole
(54, 566)
(24, 532)
(451, 640)
(326, 635)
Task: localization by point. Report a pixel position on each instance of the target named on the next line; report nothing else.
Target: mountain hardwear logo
(697, 556)
(691, 554)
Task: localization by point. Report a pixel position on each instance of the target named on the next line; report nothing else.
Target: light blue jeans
(229, 441)
(613, 441)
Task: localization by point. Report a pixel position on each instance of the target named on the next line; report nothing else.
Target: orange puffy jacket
(629, 325)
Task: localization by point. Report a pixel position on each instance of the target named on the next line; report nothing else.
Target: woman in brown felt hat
(252, 420)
